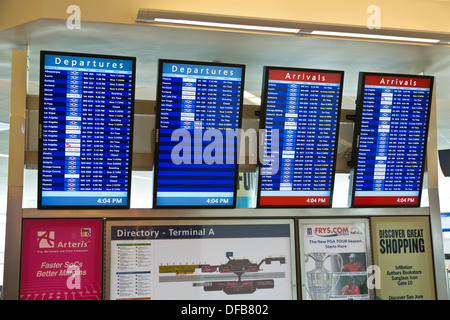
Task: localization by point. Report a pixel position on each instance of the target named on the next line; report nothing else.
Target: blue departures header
(91, 63)
(202, 71)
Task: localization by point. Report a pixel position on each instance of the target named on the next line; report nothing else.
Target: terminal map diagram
(236, 276)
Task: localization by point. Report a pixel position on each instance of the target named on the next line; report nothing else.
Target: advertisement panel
(246, 193)
(204, 260)
(335, 258)
(402, 250)
(61, 259)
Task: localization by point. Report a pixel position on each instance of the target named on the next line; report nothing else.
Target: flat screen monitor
(390, 139)
(300, 114)
(199, 107)
(86, 108)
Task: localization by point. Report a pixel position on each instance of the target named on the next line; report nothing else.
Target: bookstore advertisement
(403, 251)
(335, 260)
(207, 260)
(61, 259)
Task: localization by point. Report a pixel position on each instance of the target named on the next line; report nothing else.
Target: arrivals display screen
(300, 115)
(392, 116)
(86, 130)
(199, 108)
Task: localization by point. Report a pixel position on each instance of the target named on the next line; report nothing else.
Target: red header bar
(303, 76)
(294, 201)
(387, 81)
(387, 201)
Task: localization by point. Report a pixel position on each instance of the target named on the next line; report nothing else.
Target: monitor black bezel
(262, 124)
(357, 132)
(43, 53)
(161, 62)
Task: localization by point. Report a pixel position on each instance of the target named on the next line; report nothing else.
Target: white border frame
(302, 222)
(110, 223)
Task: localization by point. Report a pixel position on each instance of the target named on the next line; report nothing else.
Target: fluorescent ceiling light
(252, 98)
(240, 23)
(372, 36)
(4, 126)
(143, 178)
(227, 25)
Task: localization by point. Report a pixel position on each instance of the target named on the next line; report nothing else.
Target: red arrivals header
(304, 76)
(388, 81)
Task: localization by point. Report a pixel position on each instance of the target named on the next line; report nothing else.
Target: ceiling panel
(150, 43)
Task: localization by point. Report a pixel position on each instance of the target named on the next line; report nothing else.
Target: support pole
(19, 80)
(435, 211)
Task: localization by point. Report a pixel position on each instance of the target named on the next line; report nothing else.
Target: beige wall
(17, 12)
(412, 15)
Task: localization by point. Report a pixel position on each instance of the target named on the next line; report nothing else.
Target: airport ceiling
(150, 43)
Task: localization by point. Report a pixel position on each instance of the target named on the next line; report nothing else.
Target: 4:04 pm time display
(109, 201)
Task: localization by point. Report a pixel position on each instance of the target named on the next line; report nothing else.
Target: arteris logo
(46, 239)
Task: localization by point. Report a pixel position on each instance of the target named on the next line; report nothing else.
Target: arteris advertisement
(61, 259)
(207, 260)
(335, 260)
(402, 251)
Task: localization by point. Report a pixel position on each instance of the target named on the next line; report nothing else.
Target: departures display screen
(300, 115)
(199, 107)
(390, 138)
(86, 130)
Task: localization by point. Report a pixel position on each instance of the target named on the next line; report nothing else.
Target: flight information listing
(199, 114)
(392, 140)
(301, 127)
(86, 130)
